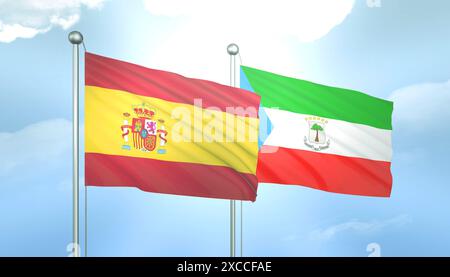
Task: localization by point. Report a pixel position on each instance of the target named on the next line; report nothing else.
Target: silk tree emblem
(317, 138)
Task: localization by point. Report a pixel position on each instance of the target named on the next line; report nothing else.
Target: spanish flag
(165, 133)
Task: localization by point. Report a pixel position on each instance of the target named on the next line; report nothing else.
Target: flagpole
(75, 38)
(233, 50)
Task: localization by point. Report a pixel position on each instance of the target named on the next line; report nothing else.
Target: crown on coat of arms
(144, 111)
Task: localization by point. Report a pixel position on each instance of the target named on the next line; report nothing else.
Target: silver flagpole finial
(233, 49)
(75, 37)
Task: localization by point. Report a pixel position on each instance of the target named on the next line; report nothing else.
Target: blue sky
(397, 51)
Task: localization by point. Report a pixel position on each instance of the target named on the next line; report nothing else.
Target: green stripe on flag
(305, 97)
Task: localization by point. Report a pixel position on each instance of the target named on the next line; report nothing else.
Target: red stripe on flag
(326, 172)
(169, 177)
(114, 74)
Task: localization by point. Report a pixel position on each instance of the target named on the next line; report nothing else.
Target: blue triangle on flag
(265, 125)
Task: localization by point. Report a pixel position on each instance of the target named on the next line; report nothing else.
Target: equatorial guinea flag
(161, 132)
(322, 137)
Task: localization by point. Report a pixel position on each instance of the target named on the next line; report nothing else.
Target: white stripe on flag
(346, 139)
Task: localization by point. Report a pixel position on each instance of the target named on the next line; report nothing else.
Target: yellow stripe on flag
(226, 140)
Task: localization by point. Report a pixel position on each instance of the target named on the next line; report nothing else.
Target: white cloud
(308, 20)
(9, 32)
(420, 119)
(27, 18)
(93, 4)
(262, 29)
(422, 107)
(40, 142)
(359, 226)
(65, 23)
